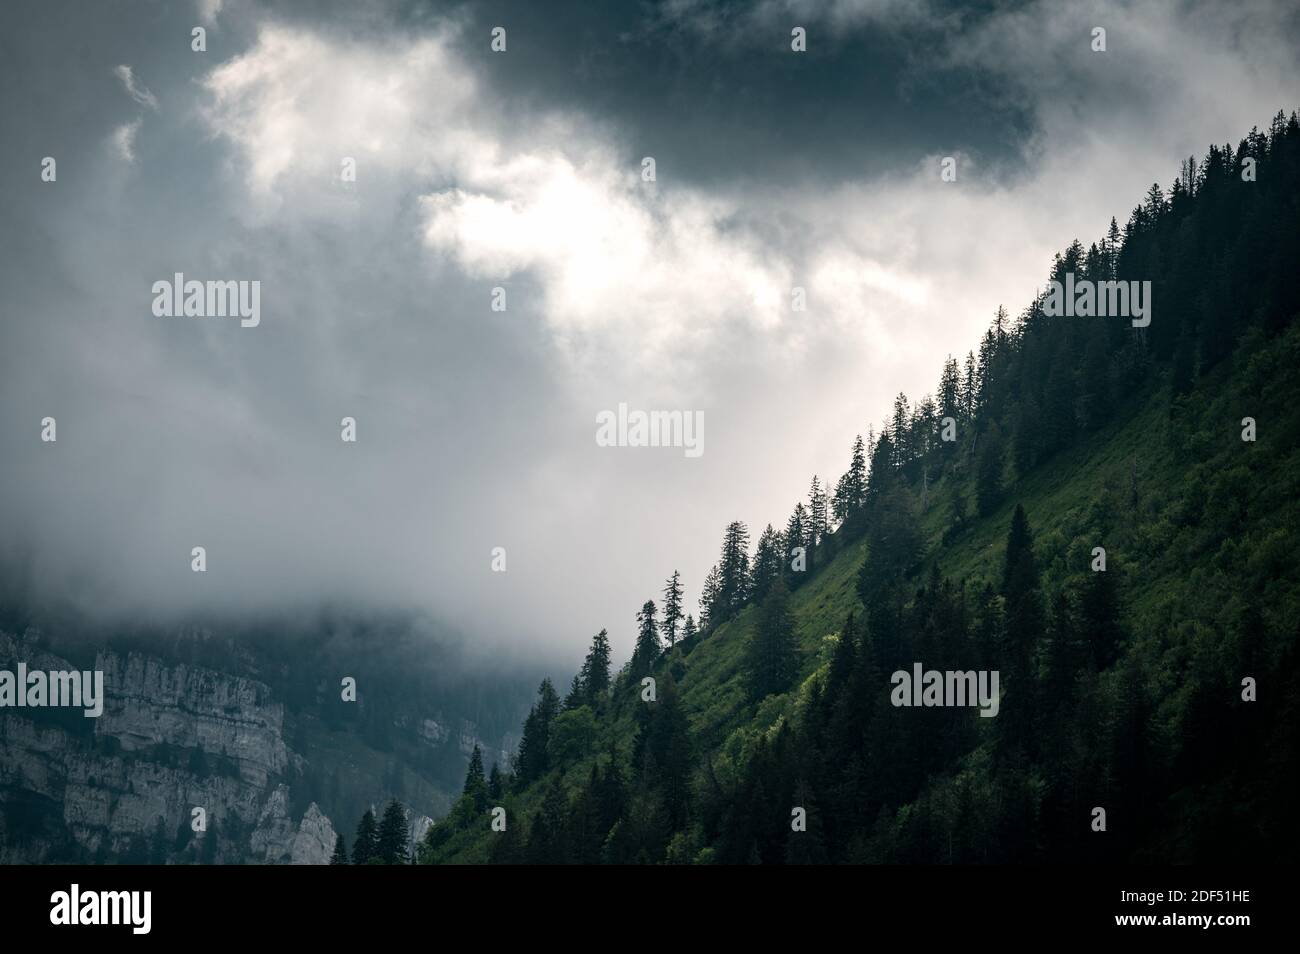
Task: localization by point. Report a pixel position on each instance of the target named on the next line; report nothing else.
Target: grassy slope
(1177, 552)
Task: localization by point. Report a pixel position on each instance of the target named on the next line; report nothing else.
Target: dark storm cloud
(713, 91)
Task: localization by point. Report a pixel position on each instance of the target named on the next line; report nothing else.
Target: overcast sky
(522, 169)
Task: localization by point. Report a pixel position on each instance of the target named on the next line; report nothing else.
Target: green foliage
(770, 658)
(648, 647)
(390, 845)
(573, 734)
(340, 855)
(594, 677)
(476, 786)
(366, 845)
(672, 609)
(769, 562)
(988, 484)
(1120, 688)
(534, 758)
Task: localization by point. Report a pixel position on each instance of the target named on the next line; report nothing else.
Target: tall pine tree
(771, 660)
(647, 649)
(672, 607)
(365, 847)
(533, 760)
(475, 782)
(390, 846)
(340, 856)
(1023, 632)
(595, 670)
(768, 561)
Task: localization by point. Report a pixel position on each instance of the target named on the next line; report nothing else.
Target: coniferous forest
(1102, 513)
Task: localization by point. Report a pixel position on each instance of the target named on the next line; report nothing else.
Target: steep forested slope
(1156, 680)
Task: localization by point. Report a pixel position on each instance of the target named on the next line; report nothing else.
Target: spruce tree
(1111, 246)
(340, 856)
(1023, 632)
(733, 570)
(665, 748)
(851, 490)
(390, 845)
(882, 474)
(1098, 399)
(817, 511)
(988, 476)
(613, 791)
(475, 782)
(1058, 425)
(858, 472)
(898, 429)
(672, 607)
(1019, 572)
(843, 659)
(894, 542)
(969, 395)
(577, 695)
(533, 761)
(647, 649)
(709, 600)
(950, 392)
(768, 561)
(1154, 206)
(496, 785)
(547, 844)
(595, 670)
(1060, 655)
(1099, 617)
(771, 661)
(366, 845)
(796, 537)
(585, 835)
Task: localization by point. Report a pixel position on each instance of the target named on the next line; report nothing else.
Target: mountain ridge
(1126, 687)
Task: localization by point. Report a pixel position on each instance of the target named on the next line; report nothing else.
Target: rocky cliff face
(150, 703)
(277, 840)
(196, 733)
(177, 747)
(467, 736)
